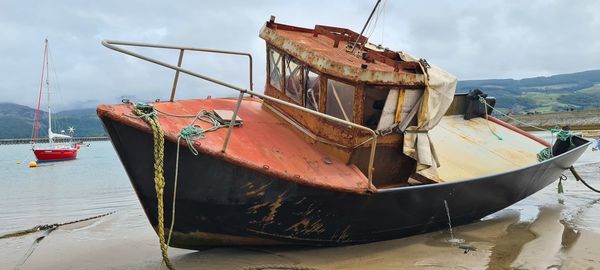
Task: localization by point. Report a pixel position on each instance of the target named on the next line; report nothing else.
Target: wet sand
(546, 231)
(499, 243)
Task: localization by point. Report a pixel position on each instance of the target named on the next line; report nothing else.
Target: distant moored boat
(54, 151)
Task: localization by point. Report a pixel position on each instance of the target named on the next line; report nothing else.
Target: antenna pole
(366, 23)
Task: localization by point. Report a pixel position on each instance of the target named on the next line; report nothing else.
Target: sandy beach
(545, 231)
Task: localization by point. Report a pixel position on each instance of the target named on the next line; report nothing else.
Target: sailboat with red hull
(54, 151)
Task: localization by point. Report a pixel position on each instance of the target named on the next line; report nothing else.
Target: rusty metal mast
(365, 27)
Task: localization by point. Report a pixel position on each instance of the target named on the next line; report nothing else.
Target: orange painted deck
(264, 143)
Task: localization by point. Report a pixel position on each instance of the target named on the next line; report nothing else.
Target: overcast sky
(471, 39)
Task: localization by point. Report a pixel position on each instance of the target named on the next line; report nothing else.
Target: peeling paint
(268, 219)
(305, 226)
(259, 192)
(254, 208)
(300, 201)
(344, 235)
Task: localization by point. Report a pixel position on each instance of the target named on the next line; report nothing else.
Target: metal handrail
(108, 43)
(111, 45)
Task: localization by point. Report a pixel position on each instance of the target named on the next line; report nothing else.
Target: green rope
(562, 135)
(546, 153)
(193, 132)
(190, 134)
(560, 188)
(482, 100)
(147, 110)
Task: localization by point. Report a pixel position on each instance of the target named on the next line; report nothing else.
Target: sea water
(57, 192)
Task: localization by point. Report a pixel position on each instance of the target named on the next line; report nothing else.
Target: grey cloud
(471, 39)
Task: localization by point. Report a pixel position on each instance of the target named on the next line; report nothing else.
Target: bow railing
(114, 45)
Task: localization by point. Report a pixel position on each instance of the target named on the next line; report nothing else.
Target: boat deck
(468, 149)
(264, 143)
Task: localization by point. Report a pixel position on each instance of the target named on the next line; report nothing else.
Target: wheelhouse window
(311, 96)
(340, 99)
(276, 69)
(375, 99)
(293, 81)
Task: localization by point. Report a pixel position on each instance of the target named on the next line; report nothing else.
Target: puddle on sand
(570, 235)
(508, 246)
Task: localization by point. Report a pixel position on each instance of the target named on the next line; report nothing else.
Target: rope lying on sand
(578, 178)
(47, 228)
(34, 245)
(278, 267)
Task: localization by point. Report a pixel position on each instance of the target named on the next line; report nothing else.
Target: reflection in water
(507, 248)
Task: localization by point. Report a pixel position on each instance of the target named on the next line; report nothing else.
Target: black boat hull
(221, 204)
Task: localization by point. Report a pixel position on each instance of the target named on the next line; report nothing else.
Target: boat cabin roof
(329, 50)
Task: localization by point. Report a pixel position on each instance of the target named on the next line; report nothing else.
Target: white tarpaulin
(437, 97)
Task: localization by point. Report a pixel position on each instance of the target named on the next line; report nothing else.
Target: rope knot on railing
(484, 102)
(561, 134)
(147, 110)
(190, 134)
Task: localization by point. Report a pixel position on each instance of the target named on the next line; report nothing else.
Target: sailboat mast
(37, 112)
(48, 93)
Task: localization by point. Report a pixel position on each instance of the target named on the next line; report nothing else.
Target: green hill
(17, 122)
(579, 90)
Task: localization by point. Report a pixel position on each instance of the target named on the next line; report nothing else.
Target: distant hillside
(17, 122)
(578, 91)
(541, 94)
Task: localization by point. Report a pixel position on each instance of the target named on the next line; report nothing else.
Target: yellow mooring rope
(148, 113)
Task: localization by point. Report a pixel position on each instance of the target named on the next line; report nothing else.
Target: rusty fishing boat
(349, 143)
